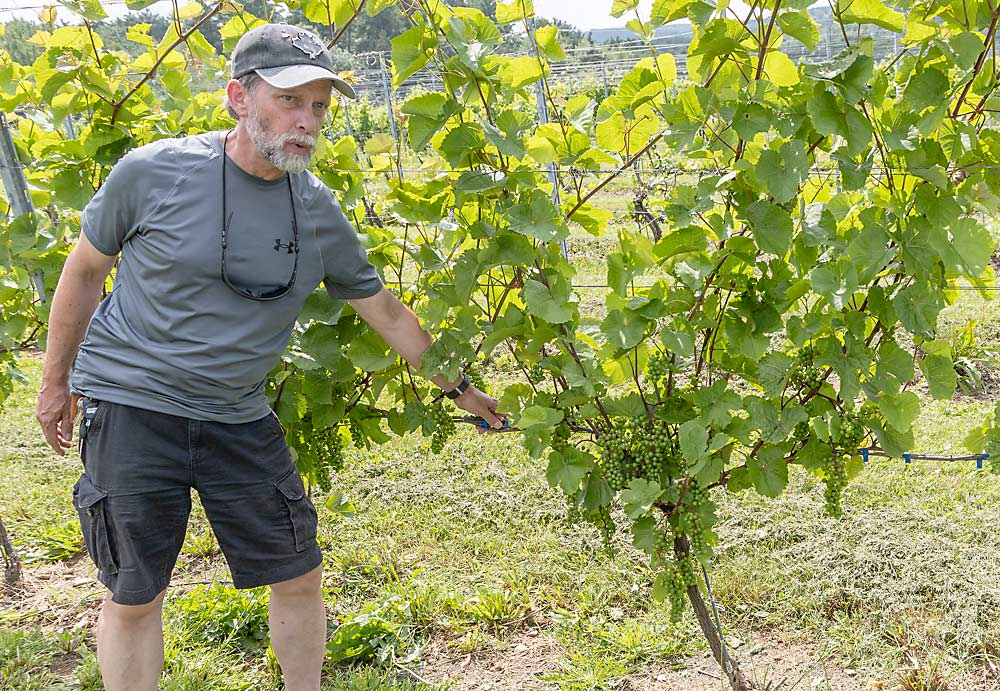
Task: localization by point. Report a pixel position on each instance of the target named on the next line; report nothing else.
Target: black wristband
(460, 389)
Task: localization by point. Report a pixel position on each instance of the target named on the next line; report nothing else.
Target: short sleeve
(113, 213)
(348, 273)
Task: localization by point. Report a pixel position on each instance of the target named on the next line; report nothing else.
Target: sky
(584, 14)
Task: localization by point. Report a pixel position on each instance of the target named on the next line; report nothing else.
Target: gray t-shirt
(172, 336)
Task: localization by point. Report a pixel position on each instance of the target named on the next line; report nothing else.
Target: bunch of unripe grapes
(634, 448)
(852, 433)
(614, 455)
(653, 451)
(560, 436)
(329, 457)
(657, 367)
(676, 590)
(444, 427)
(476, 377)
(606, 526)
(326, 448)
(801, 431)
(836, 481)
(696, 499)
(536, 374)
(806, 375)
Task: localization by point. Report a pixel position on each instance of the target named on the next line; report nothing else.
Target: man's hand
(481, 405)
(54, 411)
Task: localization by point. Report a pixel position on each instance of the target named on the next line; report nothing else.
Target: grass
(469, 551)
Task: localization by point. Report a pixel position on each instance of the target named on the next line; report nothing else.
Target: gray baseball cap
(285, 56)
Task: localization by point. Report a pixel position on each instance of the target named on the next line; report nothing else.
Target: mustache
(301, 139)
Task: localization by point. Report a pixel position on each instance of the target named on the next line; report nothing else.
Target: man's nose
(306, 121)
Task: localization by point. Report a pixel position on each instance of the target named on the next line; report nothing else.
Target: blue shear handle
(485, 425)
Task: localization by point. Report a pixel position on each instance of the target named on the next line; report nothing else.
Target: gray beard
(271, 145)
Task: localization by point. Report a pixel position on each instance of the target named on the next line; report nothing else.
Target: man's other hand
(54, 411)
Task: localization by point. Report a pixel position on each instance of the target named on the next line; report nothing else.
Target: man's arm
(400, 328)
(73, 304)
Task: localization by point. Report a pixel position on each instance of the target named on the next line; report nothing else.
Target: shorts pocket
(92, 505)
(300, 510)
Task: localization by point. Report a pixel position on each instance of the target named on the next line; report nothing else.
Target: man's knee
(307, 584)
(131, 614)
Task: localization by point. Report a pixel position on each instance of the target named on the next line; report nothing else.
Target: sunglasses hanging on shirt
(261, 295)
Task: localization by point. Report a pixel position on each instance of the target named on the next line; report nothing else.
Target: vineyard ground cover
(497, 591)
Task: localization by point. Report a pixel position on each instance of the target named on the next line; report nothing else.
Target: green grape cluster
(836, 481)
(476, 377)
(805, 374)
(606, 525)
(560, 436)
(615, 457)
(688, 566)
(852, 433)
(663, 547)
(676, 590)
(325, 446)
(654, 450)
(801, 431)
(634, 448)
(329, 454)
(444, 427)
(657, 367)
(536, 374)
(696, 499)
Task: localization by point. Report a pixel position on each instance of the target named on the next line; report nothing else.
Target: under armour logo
(305, 42)
(279, 245)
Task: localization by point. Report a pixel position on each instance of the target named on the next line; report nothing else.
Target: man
(222, 237)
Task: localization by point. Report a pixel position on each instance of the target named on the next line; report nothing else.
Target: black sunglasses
(293, 247)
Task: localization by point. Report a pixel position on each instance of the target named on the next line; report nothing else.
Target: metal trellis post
(17, 190)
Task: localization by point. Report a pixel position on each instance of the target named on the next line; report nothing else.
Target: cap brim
(296, 75)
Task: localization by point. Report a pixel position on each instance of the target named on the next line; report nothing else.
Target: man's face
(283, 123)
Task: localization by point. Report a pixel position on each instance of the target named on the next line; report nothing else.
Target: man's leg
(298, 630)
(130, 645)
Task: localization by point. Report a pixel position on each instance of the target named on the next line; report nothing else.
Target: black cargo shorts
(134, 498)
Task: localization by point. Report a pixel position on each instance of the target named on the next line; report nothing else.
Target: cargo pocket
(300, 510)
(91, 504)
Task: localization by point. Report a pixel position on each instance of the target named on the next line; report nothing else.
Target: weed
(24, 661)
(379, 633)
(474, 640)
(375, 679)
(88, 674)
(54, 542)
(924, 675)
(583, 673)
(198, 668)
(220, 616)
(202, 545)
(498, 608)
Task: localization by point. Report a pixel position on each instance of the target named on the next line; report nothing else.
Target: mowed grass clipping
(469, 551)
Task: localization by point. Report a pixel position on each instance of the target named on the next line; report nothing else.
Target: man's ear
(238, 96)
